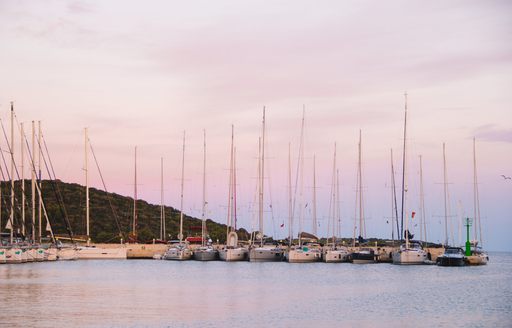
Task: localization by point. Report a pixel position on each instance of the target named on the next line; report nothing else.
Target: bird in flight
(505, 177)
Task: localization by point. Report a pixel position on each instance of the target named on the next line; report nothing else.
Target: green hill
(102, 220)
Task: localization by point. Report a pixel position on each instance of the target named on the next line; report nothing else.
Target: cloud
(490, 132)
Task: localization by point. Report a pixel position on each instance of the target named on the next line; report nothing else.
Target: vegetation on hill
(103, 225)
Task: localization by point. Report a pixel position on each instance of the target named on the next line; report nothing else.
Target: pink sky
(136, 74)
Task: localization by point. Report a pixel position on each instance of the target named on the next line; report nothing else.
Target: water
(148, 293)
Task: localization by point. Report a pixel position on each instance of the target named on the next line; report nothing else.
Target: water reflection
(165, 293)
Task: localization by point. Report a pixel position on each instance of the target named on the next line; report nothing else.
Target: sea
(156, 293)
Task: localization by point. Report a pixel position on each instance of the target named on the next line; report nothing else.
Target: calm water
(140, 293)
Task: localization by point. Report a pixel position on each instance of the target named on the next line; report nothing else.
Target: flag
(413, 214)
(282, 225)
(8, 226)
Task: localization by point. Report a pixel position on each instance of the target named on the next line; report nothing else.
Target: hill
(103, 225)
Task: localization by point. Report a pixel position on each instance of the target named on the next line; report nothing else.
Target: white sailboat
(478, 255)
(409, 252)
(232, 251)
(362, 255)
(206, 252)
(263, 252)
(14, 253)
(307, 250)
(334, 253)
(89, 251)
(180, 251)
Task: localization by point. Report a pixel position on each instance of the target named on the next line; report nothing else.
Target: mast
(334, 194)
(290, 215)
(392, 199)
(203, 214)
(40, 177)
(338, 203)
(315, 224)
(445, 198)
(423, 224)
(476, 200)
(33, 184)
(262, 179)
(360, 190)
(301, 188)
(22, 151)
(403, 177)
(12, 174)
(134, 227)
(86, 169)
(180, 236)
(230, 187)
(162, 207)
(234, 191)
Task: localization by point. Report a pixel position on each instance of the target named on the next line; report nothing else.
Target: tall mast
(86, 169)
(314, 197)
(394, 194)
(476, 200)
(162, 207)
(33, 183)
(203, 214)
(180, 236)
(234, 191)
(290, 215)
(338, 204)
(334, 197)
(403, 176)
(360, 190)
(392, 199)
(12, 173)
(230, 187)
(445, 198)
(134, 228)
(40, 177)
(262, 179)
(423, 224)
(22, 151)
(301, 188)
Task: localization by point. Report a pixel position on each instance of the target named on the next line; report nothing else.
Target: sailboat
(180, 251)
(410, 252)
(259, 251)
(14, 253)
(452, 256)
(478, 255)
(362, 255)
(308, 250)
(91, 251)
(232, 251)
(206, 252)
(334, 253)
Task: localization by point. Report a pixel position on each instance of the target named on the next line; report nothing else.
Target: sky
(140, 74)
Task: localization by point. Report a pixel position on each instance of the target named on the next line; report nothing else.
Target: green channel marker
(468, 243)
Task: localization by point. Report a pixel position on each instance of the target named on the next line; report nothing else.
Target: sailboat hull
(207, 254)
(177, 254)
(3, 258)
(233, 254)
(304, 256)
(14, 255)
(478, 259)
(67, 254)
(363, 257)
(262, 254)
(335, 256)
(410, 256)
